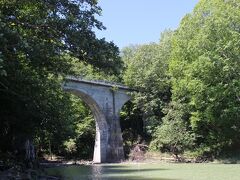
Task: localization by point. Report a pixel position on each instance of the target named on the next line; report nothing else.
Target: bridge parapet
(99, 82)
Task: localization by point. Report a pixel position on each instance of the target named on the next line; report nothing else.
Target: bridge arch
(105, 101)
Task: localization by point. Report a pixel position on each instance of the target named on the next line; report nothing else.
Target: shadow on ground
(127, 178)
(107, 172)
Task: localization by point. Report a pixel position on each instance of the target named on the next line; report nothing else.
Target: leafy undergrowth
(189, 157)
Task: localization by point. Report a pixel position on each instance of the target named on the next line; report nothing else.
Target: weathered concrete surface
(105, 101)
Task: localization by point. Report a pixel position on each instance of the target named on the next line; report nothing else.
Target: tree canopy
(41, 41)
(197, 68)
(205, 70)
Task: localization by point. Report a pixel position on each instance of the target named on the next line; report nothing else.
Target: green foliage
(132, 126)
(41, 41)
(205, 71)
(70, 146)
(146, 70)
(79, 143)
(88, 71)
(85, 137)
(44, 30)
(173, 135)
(199, 62)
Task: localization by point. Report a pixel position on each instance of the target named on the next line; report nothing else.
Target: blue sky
(140, 21)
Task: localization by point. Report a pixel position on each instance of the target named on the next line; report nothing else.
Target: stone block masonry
(105, 99)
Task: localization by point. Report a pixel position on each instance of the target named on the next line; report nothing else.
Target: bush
(173, 135)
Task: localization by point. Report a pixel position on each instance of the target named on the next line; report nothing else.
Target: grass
(156, 171)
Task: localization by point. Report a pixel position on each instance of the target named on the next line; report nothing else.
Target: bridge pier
(108, 142)
(105, 101)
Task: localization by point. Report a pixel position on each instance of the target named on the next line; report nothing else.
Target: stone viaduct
(105, 100)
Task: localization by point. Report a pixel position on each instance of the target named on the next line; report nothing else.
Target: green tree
(174, 134)
(81, 143)
(205, 70)
(146, 70)
(38, 41)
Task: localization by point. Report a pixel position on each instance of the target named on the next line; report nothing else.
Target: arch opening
(101, 137)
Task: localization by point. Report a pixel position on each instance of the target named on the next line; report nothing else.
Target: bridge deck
(99, 82)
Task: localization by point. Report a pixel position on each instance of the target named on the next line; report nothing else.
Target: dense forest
(189, 82)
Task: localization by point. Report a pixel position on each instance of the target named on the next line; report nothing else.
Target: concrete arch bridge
(105, 100)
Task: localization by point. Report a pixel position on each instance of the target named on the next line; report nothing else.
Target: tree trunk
(29, 153)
